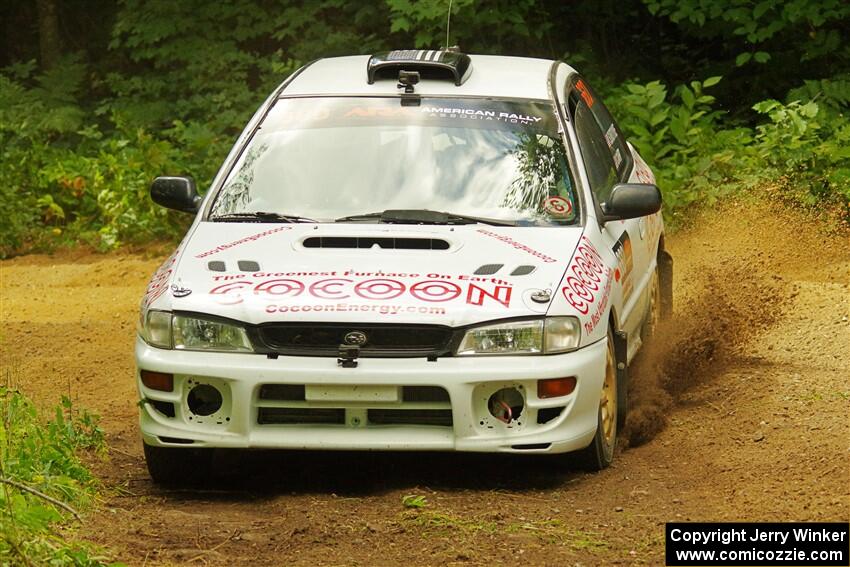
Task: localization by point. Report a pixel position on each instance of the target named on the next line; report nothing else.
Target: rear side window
(598, 161)
(621, 157)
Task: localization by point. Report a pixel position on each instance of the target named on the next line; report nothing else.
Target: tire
(600, 453)
(178, 466)
(665, 275)
(622, 384)
(655, 311)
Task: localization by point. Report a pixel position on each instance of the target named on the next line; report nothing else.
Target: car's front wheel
(178, 466)
(654, 312)
(600, 453)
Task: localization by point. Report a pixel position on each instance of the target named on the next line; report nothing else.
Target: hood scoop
(380, 242)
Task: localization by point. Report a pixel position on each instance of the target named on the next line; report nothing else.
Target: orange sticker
(585, 93)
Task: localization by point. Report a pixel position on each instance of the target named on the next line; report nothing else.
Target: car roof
(492, 76)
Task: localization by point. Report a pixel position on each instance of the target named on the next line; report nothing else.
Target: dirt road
(740, 414)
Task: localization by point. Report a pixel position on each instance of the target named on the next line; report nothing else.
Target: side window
(614, 139)
(598, 160)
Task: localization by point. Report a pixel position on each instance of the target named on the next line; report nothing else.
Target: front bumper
(245, 381)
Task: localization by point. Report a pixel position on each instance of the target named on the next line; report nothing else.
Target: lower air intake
(292, 416)
(441, 417)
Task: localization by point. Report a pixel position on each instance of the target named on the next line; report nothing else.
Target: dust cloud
(735, 272)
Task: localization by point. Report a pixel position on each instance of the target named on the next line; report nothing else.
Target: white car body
(269, 276)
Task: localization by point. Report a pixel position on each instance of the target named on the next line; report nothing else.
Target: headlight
(156, 329)
(201, 334)
(163, 329)
(561, 334)
(536, 336)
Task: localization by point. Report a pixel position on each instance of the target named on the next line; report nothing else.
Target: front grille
(322, 339)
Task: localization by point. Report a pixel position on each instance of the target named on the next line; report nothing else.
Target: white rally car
(417, 250)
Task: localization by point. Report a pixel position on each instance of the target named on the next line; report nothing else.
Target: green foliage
(43, 457)
(161, 87)
(90, 179)
(760, 21)
(678, 135)
(775, 43)
(697, 158)
(480, 26)
(414, 501)
(809, 144)
(235, 54)
(834, 92)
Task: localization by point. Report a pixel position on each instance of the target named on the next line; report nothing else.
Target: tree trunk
(49, 40)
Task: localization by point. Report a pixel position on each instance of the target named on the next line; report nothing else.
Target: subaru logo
(355, 338)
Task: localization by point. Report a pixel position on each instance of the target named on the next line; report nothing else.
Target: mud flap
(621, 353)
(665, 269)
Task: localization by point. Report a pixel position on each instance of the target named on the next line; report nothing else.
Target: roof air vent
(429, 63)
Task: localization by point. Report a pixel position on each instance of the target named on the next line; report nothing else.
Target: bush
(679, 136)
(70, 181)
(699, 158)
(73, 177)
(40, 466)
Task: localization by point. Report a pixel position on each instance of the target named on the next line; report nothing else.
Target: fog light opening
(506, 405)
(204, 400)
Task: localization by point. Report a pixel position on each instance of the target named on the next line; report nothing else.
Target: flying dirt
(739, 412)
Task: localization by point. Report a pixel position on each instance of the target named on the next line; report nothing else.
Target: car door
(608, 161)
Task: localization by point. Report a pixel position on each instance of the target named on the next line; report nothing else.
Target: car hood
(449, 275)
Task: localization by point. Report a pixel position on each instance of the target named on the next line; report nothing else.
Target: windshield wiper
(423, 216)
(259, 216)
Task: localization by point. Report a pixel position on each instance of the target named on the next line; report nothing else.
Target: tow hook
(348, 355)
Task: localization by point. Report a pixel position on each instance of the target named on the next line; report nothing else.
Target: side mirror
(631, 200)
(178, 193)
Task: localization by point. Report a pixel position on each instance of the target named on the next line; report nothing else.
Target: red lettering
(434, 290)
(475, 295)
(379, 289)
(322, 288)
(587, 277)
(230, 293)
(282, 287)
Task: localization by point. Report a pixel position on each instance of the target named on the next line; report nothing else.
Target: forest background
(98, 97)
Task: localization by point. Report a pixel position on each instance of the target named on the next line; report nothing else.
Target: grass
(43, 482)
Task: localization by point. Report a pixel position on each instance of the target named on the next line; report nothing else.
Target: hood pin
(541, 296)
(178, 291)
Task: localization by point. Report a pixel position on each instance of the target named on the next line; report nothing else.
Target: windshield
(327, 158)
